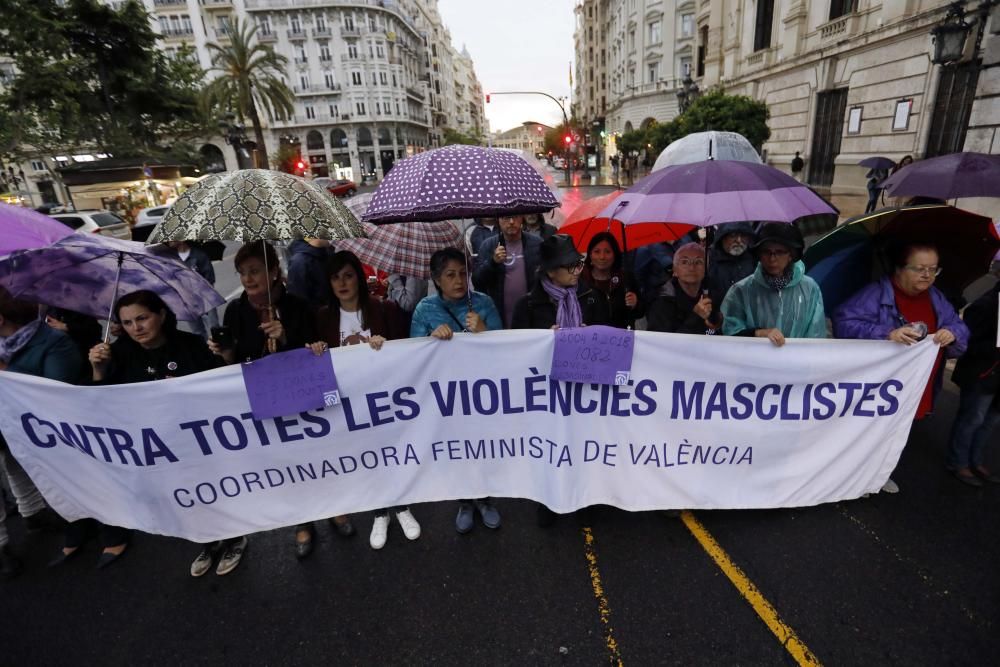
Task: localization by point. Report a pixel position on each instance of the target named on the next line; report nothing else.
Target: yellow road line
(799, 651)
(590, 551)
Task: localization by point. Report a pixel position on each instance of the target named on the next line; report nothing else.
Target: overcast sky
(516, 45)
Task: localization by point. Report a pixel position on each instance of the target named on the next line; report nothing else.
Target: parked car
(342, 188)
(96, 222)
(147, 220)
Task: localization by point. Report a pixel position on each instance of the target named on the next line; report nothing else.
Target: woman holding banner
(354, 317)
(777, 301)
(906, 308)
(266, 318)
(683, 304)
(151, 349)
(610, 295)
(453, 309)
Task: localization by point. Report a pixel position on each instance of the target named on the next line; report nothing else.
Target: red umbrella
(586, 221)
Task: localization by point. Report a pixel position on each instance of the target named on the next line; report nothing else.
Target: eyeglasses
(780, 252)
(573, 268)
(930, 271)
(691, 262)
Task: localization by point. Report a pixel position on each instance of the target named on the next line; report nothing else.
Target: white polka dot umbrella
(459, 182)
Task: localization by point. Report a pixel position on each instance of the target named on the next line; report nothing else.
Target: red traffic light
(568, 139)
(300, 165)
(487, 98)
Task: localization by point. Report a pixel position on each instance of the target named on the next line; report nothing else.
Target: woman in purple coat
(906, 307)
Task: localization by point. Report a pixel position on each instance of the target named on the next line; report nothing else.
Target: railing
(294, 33)
(218, 3)
(169, 3)
(350, 32)
(326, 59)
(415, 92)
(388, 5)
(178, 32)
(836, 28)
(322, 32)
(267, 36)
(316, 88)
(301, 61)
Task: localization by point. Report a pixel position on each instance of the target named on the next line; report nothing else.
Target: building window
(300, 54)
(186, 23)
(687, 25)
(360, 108)
(349, 21)
(372, 25)
(320, 23)
(310, 113)
(631, 40)
(329, 80)
(840, 8)
(652, 72)
(378, 108)
(304, 81)
(374, 79)
(379, 50)
(654, 32)
(37, 165)
(264, 26)
(334, 112)
(356, 78)
(765, 19)
(324, 51)
(702, 49)
(296, 25)
(397, 109)
(352, 51)
(684, 68)
(394, 84)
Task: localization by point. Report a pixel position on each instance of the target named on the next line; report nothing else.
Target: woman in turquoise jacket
(777, 300)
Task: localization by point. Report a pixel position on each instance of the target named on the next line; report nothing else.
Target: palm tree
(249, 77)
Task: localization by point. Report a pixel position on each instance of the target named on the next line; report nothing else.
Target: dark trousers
(78, 532)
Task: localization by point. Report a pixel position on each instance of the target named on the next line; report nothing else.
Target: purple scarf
(568, 312)
(12, 344)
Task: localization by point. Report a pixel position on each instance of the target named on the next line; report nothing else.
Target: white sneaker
(380, 531)
(890, 486)
(409, 525)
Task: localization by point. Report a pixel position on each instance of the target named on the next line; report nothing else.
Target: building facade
(529, 137)
(373, 80)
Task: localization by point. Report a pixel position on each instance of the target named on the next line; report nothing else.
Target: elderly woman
(29, 346)
(905, 307)
(683, 304)
(454, 309)
(613, 295)
(151, 348)
(353, 318)
(777, 301)
(266, 318)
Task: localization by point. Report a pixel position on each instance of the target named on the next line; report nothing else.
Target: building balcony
(178, 33)
(266, 37)
(302, 61)
(322, 32)
(415, 93)
(840, 28)
(326, 60)
(217, 4)
(297, 33)
(759, 60)
(169, 4)
(350, 32)
(316, 89)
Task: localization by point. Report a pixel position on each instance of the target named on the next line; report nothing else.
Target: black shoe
(345, 529)
(47, 519)
(61, 557)
(546, 517)
(106, 558)
(10, 566)
(303, 549)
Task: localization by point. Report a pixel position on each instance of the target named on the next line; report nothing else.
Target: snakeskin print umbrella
(256, 205)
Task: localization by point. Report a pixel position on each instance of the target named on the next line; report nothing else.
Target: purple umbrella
(948, 177)
(877, 162)
(716, 191)
(459, 182)
(87, 274)
(21, 229)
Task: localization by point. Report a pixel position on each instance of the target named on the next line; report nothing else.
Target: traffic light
(487, 98)
(568, 139)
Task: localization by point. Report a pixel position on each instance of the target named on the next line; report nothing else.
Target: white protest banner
(704, 423)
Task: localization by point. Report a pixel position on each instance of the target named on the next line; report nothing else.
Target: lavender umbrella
(877, 162)
(459, 182)
(21, 229)
(948, 177)
(87, 274)
(716, 191)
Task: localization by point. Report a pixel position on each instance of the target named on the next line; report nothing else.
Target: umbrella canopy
(711, 145)
(81, 273)
(948, 177)
(255, 205)
(22, 229)
(853, 254)
(877, 162)
(586, 221)
(404, 249)
(459, 182)
(717, 191)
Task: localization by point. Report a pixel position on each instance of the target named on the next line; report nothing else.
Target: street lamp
(951, 35)
(688, 92)
(235, 136)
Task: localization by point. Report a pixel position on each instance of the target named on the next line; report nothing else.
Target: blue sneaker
(465, 519)
(489, 513)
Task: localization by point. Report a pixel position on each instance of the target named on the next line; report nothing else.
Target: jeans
(29, 498)
(978, 413)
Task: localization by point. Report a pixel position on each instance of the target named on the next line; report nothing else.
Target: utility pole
(562, 108)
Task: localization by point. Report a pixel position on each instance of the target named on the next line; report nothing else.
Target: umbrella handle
(114, 296)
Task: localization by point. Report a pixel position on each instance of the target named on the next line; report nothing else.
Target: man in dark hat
(778, 300)
(730, 259)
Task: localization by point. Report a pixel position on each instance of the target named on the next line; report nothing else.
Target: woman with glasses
(683, 304)
(452, 310)
(778, 300)
(906, 307)
(613, 299)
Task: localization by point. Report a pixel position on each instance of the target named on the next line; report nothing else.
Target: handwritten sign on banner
(290, 382)
(596, 354)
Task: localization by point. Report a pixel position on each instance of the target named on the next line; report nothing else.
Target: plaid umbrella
(948, 177)
(87, 273)
(459, 182)
(402, 249)
(21, 229)
(255, 205)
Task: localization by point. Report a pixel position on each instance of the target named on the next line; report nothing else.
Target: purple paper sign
(290, 382)
(596, 354)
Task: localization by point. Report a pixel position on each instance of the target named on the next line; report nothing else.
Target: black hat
(558, 250)
(779, 232)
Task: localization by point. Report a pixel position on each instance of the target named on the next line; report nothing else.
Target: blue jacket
(307, 274)
(796, 310)
(433, 311)
(489, 277)
(871, 313)
(49, 354)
